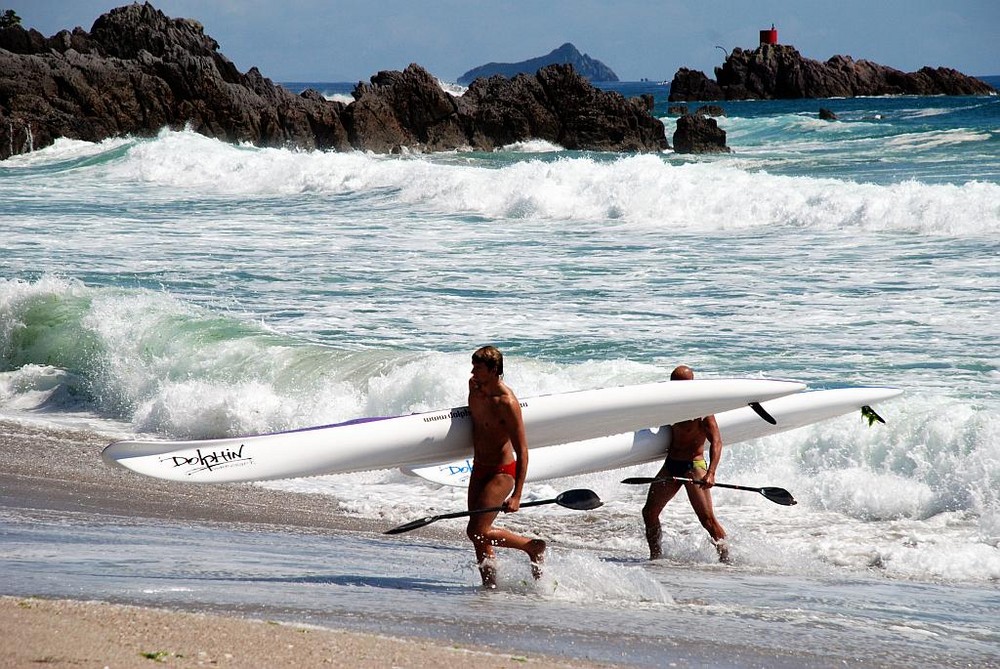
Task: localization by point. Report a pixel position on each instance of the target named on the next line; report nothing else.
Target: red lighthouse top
(769, 36)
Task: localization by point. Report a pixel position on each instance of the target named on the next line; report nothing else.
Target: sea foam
(638, 190)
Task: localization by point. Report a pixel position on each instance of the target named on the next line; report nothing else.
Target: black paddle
(579, 499)
(776, 495)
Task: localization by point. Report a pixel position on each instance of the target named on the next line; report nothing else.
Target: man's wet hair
(491, 357)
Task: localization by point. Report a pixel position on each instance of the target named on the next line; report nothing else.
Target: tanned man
(686, 458)
(499, 465)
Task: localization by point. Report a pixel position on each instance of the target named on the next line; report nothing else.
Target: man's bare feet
(723, 549)
(488, 570)
(536, 551)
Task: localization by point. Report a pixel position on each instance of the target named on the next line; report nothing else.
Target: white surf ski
(437, 436)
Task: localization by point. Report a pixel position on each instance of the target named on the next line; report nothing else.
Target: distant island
(587, 67)
(779, 72)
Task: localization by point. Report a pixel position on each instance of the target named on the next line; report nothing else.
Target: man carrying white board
(686, 458)
(499, 464)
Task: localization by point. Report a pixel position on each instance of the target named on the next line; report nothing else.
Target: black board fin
(759, 410)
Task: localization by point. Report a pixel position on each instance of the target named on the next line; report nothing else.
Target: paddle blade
(640, 480)
(412, 525)
(779, 496)
(869, 414)
(579, 499)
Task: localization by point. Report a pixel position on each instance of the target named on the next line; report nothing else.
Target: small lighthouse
(769, 36)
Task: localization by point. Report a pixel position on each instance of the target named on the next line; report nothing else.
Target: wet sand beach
(58, 470)
(62, 470)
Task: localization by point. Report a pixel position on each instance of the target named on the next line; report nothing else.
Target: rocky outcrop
(567, 54)
(691, 85)
(559, 106)
(710, 110)
(697, 133)
(404, 109)
(138, 71)
(778, 71)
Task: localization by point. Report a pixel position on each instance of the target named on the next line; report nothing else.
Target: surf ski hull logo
(464, 469)
(201, 461)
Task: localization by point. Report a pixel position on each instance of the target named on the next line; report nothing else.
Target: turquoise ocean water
(178, 286)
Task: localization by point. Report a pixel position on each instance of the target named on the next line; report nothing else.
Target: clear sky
(350, 40)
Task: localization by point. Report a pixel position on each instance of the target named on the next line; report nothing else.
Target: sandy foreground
(63, 633)
(54, 469)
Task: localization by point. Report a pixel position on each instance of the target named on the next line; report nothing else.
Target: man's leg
(483, 493)
(657, 497)
(701, 502)
(489, 493)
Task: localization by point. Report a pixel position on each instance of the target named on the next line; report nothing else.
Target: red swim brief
(480, 472)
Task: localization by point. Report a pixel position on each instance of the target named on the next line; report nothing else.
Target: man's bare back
(686, 459)
(688, 438)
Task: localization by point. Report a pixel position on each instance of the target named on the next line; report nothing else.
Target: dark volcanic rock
(690, 85)
(403, 109)
(567, 54)
(699, 134)
(778, 71)
(591, 119)
(139, 71)
(502, 111)
(409, 109)
(710, 110)
(559, 106)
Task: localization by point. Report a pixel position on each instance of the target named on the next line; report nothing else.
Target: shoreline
(60, 469)
(93, 550)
